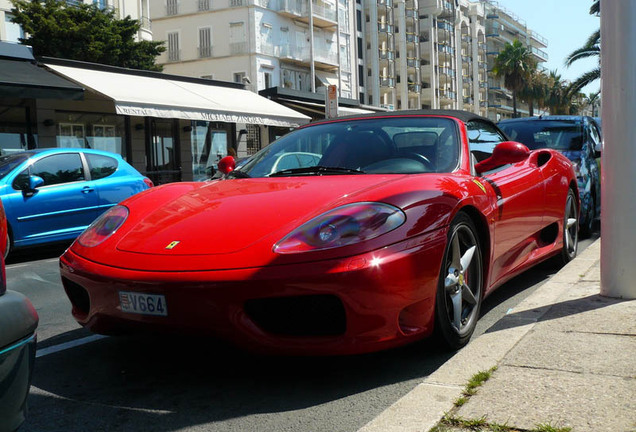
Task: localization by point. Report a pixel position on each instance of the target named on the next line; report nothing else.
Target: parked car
(52, 195)
(578, 138)
(395, 233)
(18, 322)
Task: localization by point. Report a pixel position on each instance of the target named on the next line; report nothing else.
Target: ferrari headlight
(342, 226)
(103, 227)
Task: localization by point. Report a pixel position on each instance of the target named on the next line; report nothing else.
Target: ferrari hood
(228, 216)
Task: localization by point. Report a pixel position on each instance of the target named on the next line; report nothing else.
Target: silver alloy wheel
(570, 228)
(463, 282)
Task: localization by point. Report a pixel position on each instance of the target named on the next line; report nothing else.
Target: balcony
(540, 54)
(324, 15)
(448, 11)
(447, 71)
(145, 23)
(387, 55)
(237, 48)
(411, 62)
(205, 51)
(387, 82)
(444, 26)
(447, 94)
(537, 37)
(385, 28)
(445, 49)
(174, 55)
(414, 88)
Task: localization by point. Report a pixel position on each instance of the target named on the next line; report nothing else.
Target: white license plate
(144, 304)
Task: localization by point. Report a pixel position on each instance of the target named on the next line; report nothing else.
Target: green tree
(514, 64)
(591, 48)
(560, 96)
(84, 32)
(535, 91)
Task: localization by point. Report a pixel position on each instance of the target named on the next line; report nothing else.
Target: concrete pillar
(618, 191)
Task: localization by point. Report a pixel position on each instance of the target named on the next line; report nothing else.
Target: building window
(205, 42)
(237, 3)
(238, 45)
(97, 131)
(360, 54)
(13, 31)
(174, 51)
(361, 75)
(172, 7)
(267, 79)
(204, 5)
(102, 4)
(238, 77)
(359, 20)
(209, 143)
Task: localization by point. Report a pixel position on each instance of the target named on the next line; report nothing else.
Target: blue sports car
(579, 139)
(52, 195)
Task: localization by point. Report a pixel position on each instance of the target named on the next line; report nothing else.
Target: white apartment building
(392, 54)
(292, 44)
(438, 54)
(502, 27)
(137, 9)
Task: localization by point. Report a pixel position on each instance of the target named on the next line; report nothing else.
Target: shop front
(170, 128)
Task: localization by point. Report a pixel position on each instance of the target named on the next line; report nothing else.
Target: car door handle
(87, 189)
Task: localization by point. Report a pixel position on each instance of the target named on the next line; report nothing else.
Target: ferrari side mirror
(507, 152)
(227, 164)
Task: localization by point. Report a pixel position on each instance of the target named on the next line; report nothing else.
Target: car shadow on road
(170, 383)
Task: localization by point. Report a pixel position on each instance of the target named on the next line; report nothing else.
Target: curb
(424, 406)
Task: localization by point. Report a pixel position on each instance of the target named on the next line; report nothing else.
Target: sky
(566, 24)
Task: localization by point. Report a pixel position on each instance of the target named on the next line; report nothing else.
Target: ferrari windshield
(381, 145)
(555, 134)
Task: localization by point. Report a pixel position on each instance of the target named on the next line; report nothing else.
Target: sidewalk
(565, 357)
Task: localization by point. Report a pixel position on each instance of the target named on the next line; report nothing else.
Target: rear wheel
(570, 229)
(460, 287)
(588, 226)
(8, 244)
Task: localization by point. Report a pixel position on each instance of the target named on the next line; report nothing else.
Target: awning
(24, 79)
(148, 96)
(327, 78)
(320, 108)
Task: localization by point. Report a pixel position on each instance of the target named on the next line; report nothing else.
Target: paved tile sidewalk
(565, 357)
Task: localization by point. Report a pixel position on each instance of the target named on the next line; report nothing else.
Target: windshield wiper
(318, 169)
(238, 174)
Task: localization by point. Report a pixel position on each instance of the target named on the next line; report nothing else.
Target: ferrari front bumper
(362, 303)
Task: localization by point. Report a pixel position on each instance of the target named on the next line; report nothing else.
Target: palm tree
(514, 64)
(535, 91)
(559, 95)
(591, 48)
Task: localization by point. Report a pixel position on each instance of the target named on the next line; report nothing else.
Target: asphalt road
(158, 383)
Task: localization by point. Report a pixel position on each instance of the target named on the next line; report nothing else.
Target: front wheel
(460, 286)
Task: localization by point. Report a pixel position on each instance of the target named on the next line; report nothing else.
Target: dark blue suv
(578, 138)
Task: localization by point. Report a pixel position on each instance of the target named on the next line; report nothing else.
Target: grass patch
(549, 428)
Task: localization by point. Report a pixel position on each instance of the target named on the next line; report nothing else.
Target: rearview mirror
(35, 182)
(227, 164)
(507, 152)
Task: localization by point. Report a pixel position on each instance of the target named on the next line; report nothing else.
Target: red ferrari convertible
(371, 232)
